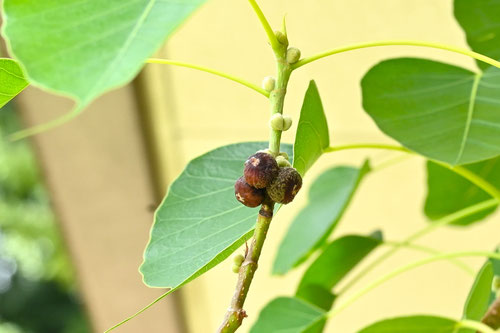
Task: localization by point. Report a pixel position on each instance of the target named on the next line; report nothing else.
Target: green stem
(473, 178)
(424, 249)
(211, 71)
(366, 146)
(353, 298)
(455, 49)
(470, 176)
(46, 126)
(277, 99)
(429, 228)
(475, 325)
(235, 314)
(265, 24)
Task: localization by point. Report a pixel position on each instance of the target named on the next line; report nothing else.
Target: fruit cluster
(266, 176)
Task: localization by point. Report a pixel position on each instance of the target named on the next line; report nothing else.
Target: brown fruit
(260, 170)
(285, 186)
(248, 195)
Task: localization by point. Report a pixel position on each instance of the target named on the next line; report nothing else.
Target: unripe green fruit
(260, 170)
(248, 195)
(281, 37)
(285, 186)
(277, 122)
(269, 83)
(292, 55)
(287, 123)
(236, 269)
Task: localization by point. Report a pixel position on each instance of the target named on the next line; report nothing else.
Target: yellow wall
(211, 112)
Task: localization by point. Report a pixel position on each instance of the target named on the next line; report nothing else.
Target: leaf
(286, 315)
(441, 111)
(449, 192)
(479, 19)
(312, 131)
(12, 80)
(200, 223)
(414, 324)
(329, 196)
(479, 297)
(333, 264)
(85, 48)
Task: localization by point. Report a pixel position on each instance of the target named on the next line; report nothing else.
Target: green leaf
(200, 223)
(441, 111)
(287, 315)
(414, 324)
(449, 192)
(479, 19)
(329, 196)
(12, 80)
(479, 297)
(312, 131)
(85, 48)
(334, 263)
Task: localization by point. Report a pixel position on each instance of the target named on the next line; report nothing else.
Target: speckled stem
(235, 314)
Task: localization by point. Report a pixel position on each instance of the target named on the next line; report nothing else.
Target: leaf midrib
(470, 112)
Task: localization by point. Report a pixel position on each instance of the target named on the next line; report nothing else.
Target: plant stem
(473, 178)
(404, 269)
(277, 99)
(265, 24)
(467, 174)
(209, 70)
(429, 228)
(235, 313)
(476, 325)
(455, 49)
(366, 146)
(463, 266)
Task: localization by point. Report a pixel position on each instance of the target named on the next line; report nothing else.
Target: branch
(235, 314)
(455, 49)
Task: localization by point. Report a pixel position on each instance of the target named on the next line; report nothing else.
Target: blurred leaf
(414, 324)
(329, 196)
(449, 192)
(312, 131)
(286, 315)
(12, 80)
(332, 265)
(479, 297)
(200, 223)
(85, 48)
(479, 19)
(441, 111)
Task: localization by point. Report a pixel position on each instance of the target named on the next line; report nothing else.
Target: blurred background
(76, 203)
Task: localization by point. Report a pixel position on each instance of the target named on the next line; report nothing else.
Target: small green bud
(292, 55)
(268, 83)
(238, 259)
(287, 123)
(281, 37)
(282, 161)
(277, 122)
(285, 155)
